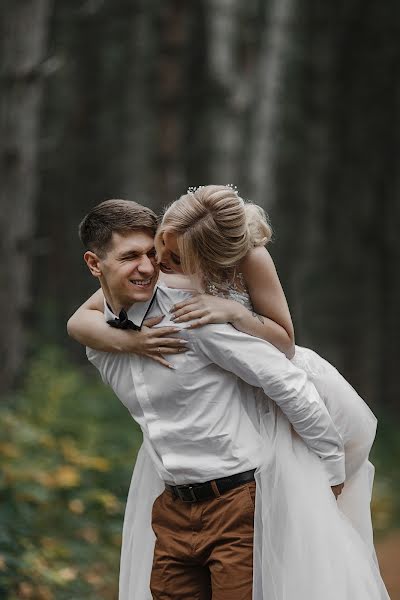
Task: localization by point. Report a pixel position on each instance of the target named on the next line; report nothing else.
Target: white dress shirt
(193, 419)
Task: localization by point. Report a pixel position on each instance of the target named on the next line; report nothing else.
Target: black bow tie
(123, 322)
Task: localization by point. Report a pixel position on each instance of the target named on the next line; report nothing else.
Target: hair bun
(260, 231)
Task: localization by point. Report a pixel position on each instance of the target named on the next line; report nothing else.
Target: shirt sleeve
(262, 365)
(99, 360)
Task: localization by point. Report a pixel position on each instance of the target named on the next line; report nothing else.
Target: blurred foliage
(385, 457)
(67, 449)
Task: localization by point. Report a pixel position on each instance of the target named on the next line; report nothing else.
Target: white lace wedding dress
(307, 546)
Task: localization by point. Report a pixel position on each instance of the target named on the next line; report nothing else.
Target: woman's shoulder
(257, 260)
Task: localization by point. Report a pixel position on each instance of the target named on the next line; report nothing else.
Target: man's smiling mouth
(141, 282)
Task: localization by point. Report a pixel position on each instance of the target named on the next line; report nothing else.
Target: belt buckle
(189, 488)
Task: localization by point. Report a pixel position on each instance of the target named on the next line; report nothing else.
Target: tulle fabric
(307, 546)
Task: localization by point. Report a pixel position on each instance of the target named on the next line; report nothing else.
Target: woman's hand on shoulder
(155, 342)
(203, 309)
(88, 327)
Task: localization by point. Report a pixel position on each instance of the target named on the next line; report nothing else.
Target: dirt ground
(388, 551)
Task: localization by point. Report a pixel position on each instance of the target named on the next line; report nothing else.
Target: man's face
(129, 270)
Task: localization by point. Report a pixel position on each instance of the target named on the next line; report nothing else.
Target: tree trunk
(274, 52)
(77, 155)
(313, 275)
(227, 97)
(171, 94)
(138, 106)
(23, 34)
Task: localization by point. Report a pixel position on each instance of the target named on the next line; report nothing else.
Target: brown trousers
(204, 550)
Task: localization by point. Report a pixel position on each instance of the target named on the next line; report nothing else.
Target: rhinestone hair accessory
(193, 189)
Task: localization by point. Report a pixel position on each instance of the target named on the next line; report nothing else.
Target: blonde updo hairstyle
(215, 229)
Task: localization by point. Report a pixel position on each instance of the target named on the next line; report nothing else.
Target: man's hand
(337, 489)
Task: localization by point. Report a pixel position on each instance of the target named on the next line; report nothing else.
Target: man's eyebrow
(129, 253)
(133, 252)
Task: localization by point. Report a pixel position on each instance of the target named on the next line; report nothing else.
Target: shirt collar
(136, 313)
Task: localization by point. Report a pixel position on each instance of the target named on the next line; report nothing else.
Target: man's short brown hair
(119, 216)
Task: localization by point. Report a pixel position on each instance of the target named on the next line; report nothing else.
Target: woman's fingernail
(183, 342)
(173, 318)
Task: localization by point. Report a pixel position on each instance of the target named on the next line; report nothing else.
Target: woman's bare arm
(271, 318)
(88, 327)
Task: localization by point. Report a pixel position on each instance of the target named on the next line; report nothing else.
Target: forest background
(296, 103)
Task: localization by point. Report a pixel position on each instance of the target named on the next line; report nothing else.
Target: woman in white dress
(306, 546)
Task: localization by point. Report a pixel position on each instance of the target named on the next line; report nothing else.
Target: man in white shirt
(201, 439)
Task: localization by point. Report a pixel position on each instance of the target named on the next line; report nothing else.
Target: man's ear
(93, 263)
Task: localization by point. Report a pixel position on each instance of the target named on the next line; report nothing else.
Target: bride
(306, 546)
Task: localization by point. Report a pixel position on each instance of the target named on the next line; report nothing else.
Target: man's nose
(146, 265)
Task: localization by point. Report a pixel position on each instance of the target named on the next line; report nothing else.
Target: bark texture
(23, 34)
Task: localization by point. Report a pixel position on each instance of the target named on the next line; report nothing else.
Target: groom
(201, 440)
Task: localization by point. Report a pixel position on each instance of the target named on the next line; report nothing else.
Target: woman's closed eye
(175, 259)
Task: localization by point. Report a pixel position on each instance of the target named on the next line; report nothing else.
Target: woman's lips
(166, 269)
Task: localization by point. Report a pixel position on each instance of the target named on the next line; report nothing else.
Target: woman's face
(170, 260)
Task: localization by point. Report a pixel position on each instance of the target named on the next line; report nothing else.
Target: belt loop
(215, 489)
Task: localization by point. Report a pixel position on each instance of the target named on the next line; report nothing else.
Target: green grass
(386, 456)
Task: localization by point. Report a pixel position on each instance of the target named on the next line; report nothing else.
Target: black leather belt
(197, 492)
